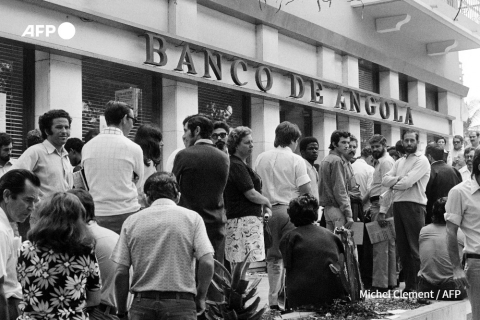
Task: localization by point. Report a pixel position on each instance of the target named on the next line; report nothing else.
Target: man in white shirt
(284, 177)
(457, 152)
(309, 151)
(19, 193)
(363, 172)
(474, 138)
(6, 147)
(466, 170)
(114, 168)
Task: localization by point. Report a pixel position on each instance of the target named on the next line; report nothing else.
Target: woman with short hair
(57, 267)
(243, 201)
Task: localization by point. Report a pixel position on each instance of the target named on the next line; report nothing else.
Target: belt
(472, 256)
(374, 198)
(165, 295)
(106, 309)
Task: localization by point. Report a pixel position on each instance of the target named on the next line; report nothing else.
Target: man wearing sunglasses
(457, 152)
(220, 135)
(114, 168)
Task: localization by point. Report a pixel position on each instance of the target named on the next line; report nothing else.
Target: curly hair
(61, 225)
(148, 137)
(235, 138)
(303, 210)
(34, 137)
(335, 138)
(161, 185)
(46, 120)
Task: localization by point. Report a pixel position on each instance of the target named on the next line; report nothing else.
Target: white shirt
(110, 161)
(313, 174)
(363, 173)
(463, 209)
(171, 159)
(466, 174)
(9, 249)
(282, 172)
(7, 167)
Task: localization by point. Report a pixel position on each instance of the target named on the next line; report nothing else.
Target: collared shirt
(463, 209)
(111, 163)
(415, 170)
(466, 174)
(334, 184)
(207, 141)
(7, 167)
(314, 180)
(364, 176)
(383, 165)
(9, 249)
(454, 155)
(162, 243)
(282, 172)
(105, 241)
(53, 168)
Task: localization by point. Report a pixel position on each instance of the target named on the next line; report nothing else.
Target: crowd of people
(108, 236)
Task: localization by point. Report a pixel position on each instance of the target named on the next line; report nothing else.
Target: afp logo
(66, 30)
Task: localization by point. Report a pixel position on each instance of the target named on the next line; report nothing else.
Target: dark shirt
(202, 172)
(307, 252)
(442, 178)
(241, 178)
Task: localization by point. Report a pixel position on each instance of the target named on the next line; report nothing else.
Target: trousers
(171, 309)
(472, 271)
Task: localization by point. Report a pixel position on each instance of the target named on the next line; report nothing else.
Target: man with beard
(466, 170)
(202, 172)
(309, 151)
(333, 188)
(384, 261)
(220, 135)
(6, 148)
(408, 178)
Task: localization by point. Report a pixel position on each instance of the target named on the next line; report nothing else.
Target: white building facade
(367, 67)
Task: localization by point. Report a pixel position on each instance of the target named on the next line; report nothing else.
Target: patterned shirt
(111, 162)
(55, 284)
(162, 243)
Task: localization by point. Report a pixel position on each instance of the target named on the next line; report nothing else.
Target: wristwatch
(122, 315)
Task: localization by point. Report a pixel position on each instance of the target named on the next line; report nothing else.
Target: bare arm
(204, 275)
(459, 276)
(305, 188)
(3, 301)
(256, 197)
(122, 280)
(93, 298)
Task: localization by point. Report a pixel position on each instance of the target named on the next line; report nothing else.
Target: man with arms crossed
(463, 211)
(284, 177)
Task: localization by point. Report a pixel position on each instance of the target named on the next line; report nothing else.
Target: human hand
(200, 303)
(349, 223)
(460, 278)
(267, 214)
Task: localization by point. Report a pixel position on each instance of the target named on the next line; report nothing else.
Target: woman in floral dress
(243, 201)
(57, 267)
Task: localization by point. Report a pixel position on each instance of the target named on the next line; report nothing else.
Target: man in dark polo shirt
(202, 171)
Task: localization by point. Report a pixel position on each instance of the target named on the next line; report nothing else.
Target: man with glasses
(466, 170)
(114, 167)
(457, 152)
(474, 136)
(220, 135)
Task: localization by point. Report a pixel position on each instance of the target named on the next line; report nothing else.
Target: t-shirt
(161, 243)
(241, 178)
(55, 284)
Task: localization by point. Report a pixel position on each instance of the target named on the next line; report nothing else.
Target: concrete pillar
(392, 134)
(350, 71)
(265, 119)
(342, 122)
(416, 94)
(423, 141)
(182, 18)
(326, 64)
(389, 85)
(323, 125)
(179, 100)
(58, 85)
(451, 104)
(354, 128)
(267, 43)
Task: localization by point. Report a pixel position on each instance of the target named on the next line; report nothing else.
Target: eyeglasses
(468, 157)
(133, 119)
(457, 142)
(221, 135)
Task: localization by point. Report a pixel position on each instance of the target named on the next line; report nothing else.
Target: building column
(179, 100)
(389, 85)
(182, 18)
(416, 94)
(422, 144)
(326, 64)
(267, 43)
(58, 85)
(265, 117)
(451, 104)
(323, 125)
(350, 71)
(392, 134)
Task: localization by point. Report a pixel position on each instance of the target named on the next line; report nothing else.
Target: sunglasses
(457, 142)
(221, 135)
(133, 119)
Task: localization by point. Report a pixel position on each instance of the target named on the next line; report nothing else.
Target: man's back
(202, 172)
(110, 161)
(282, 172)
(363, 175)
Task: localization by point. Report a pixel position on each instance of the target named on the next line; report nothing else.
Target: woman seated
(57, 267)
(313, 257)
